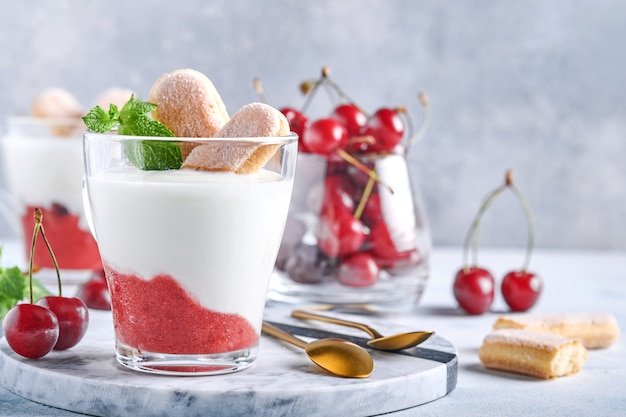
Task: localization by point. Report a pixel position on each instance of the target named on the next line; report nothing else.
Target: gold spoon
(337, 356)
(394, 342)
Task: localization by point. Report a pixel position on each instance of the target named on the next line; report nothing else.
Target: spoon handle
(301, 314)
(282, 335)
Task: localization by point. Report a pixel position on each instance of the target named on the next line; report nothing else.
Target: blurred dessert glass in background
(42, 163)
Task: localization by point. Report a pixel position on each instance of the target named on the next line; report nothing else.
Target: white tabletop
(574, 281)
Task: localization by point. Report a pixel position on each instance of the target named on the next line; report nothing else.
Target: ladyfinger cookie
(253, 120)
(188, 104)
(542, 355)
(226, 155)
(114, 95)
(256, 120)
(62, 109)
(56, 102)
(596, 330)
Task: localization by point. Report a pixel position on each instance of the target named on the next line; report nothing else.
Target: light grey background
(535, 86)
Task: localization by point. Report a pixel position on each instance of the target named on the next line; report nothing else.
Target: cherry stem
(471, 239)
(258, 87)
(530, 219)
(39, 226)
(342, 93)
(310, 92)
(332, 87)
(366, 195)
(32, 253)
(54, 260)
(309, 96)
(421, 132)
(362, 139)
(361, 167)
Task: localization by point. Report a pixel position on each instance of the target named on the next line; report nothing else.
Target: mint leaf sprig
(133, 120)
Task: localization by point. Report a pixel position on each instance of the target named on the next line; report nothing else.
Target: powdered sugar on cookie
(253, 120)
(219, 156)
(188, 104)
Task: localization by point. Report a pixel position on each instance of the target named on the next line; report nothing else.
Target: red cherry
(474, 289)
(358, 270)
(297, 123)
(382, 243)
(31, 330)
(351, 235)
(95, 293)
(337, 167)
(72, 316)
(401, 263)
(324, 136)
(372, 213)
(351, 117)
(387, 255)
(521, 289)
(338, 192)
(357, 176)
(386, 127)
(328, 235)
(339, 233)
(307, 265)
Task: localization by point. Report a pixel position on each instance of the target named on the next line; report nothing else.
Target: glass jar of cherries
(357, 234)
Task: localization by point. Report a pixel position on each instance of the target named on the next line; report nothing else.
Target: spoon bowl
(393, 342)
(337, 356)
(400, 341)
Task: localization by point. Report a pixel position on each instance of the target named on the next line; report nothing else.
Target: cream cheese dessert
(188, 206)
(205, 241)
(46, 171)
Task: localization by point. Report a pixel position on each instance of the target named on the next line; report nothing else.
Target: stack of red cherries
(352, 241)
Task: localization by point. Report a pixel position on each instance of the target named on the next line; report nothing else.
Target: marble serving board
(282, 382)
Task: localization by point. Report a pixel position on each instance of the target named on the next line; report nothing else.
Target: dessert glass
(43, 167)
(187, 254)
(393, 228)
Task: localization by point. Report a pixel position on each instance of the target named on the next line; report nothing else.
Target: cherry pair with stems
(474, 286)
(32, 329)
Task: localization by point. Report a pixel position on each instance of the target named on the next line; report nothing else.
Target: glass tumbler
(43, 167)
(354, 239)
(187, 253)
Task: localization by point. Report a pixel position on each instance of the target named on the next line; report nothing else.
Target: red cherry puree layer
(74, 247)
(159, 315)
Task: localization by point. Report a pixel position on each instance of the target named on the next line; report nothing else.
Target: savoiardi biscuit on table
(596, 330)
(542, 355)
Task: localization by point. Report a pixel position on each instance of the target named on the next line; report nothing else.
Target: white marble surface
(574, 281)
(282, 382)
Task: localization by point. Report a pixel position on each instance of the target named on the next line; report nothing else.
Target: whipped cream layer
(41, 171)
(217, 234)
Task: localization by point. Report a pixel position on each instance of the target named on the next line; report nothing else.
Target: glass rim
(114, 137)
